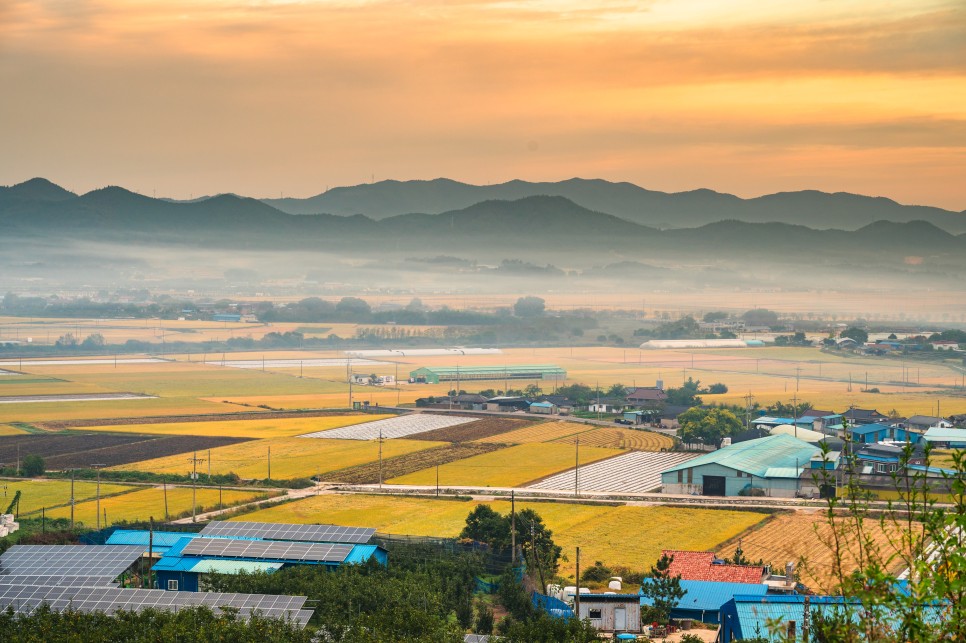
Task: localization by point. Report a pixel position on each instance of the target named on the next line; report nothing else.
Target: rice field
(6, 429)
(801, 537)
(398, 426)
(57, 411)
(615, 438)
(542, 432)
(616, 535)
(268, 428)
(148, 503)
(634, 472)
(290, 457)
(36, 494)
(511, 467)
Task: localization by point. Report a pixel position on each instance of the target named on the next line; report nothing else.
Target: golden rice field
(27, 385)
(6, 429)
(36, 494)
(542, 432)
(268, 428)
(290, 457)
(52, 411)
(614, 438)
(510, 467)
(615, 535)
(802, 538)
(147, 503)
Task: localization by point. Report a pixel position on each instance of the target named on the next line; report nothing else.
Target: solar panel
(69, 560)
(300, 533)
(67, 581)
(260, 549)
(26, 598)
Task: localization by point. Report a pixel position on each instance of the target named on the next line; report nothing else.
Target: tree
(717, 389)
(529, 307)
(686, 395)
(67, 340)
(853, 332)
(617, 390)
(715, 316)
(538, 545)
(663, 589)
(33, 466)
(485, 525)
(353, 308)
(94, 340)
(760, 317)
(532, 391)
(709, 426)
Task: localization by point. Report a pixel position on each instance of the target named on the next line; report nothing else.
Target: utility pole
(795, 413)
(577, 467)
(513, 529)
(194, 487)
(150, 549)
(209, 466)
(380, 459)
(437, 480)
(577, 595)
(269, 464)
(72, 499)
(164, 489)
(348, 373)
(97, 467)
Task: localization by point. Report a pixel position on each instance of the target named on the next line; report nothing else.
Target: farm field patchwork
(394, 427)
(147, 503)
(290, 457)
(401, 465)
(615, 438)
(37, 494)
(78, 449)
(6, 429)
(542, 432)
(56, 411)
(617, 535)
(477, 430)
(801, 536)
(510, 467)
(634, 472)
(267, 428)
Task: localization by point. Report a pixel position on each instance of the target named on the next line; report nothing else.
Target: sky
(268, 98)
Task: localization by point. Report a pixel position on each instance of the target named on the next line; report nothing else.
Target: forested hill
(545, 224)
(810, 208)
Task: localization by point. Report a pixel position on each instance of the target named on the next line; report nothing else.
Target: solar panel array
(26, 598)
(70, 581)
(264, 550)
(300, 533)
(106, 561)
(396, 427)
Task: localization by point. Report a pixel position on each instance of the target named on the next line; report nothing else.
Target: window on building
(739, 473)
(594, 614)
(680, 476)
(881, 467)
(173, 585)
(690, 476)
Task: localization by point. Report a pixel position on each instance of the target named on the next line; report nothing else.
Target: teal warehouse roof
(775, 454)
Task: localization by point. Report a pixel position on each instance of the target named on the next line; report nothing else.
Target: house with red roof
(705, 566)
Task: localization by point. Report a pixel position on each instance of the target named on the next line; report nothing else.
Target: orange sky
(264, 97)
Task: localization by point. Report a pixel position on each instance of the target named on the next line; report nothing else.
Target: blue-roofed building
(160, 544)
(774, 464)
(946, 438)
(747, 617)
(192, 556)
(870, 433)
(702, 600)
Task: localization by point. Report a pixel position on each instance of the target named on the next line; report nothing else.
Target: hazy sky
(264, 97)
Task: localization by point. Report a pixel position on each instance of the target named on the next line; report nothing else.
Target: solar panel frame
(26, 598)
(287, 532)
(69, 560)
(268, 550)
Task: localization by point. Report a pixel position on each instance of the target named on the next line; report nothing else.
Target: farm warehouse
(773, 464)
(437, 374)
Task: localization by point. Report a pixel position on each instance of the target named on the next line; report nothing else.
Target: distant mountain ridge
(812, 208)
(545, 225)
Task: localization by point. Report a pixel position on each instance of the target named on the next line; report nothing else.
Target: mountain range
(840, 210)
(538, 225)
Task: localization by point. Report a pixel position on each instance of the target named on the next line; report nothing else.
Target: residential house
(646, 397)
(923, 422)
(863, 416)
(702, 600)
(612, 612)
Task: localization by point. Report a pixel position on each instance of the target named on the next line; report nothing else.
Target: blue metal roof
(709, 596)
(757, 456)
(749, 614)
(865, 429)
(162, 539)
